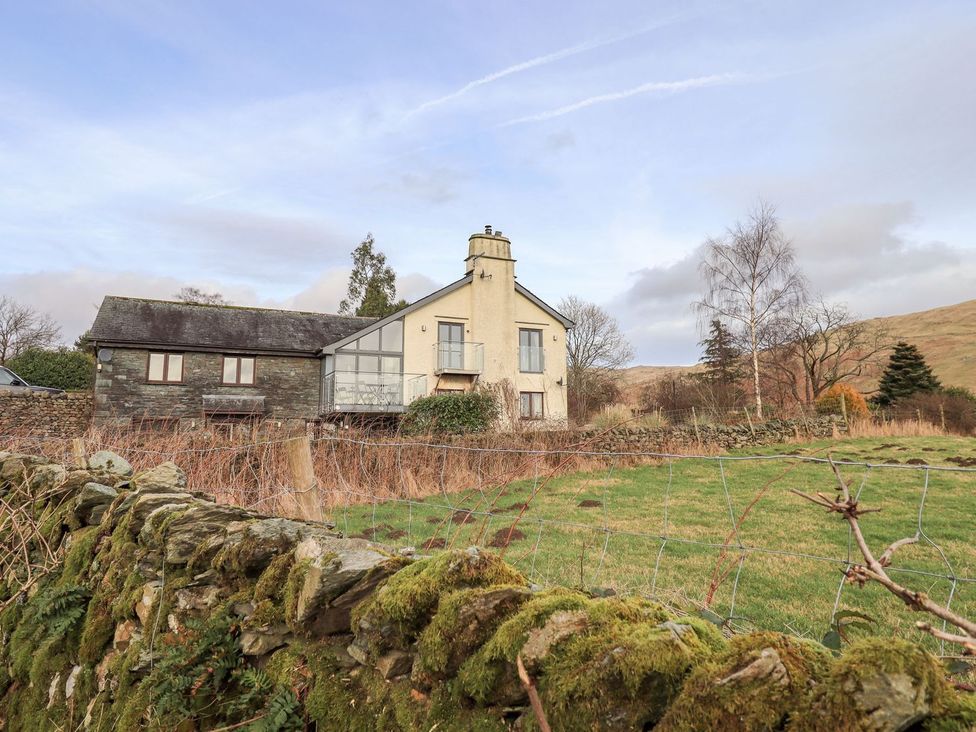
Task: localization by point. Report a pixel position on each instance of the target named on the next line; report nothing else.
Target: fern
(50, 619)
(282, 714)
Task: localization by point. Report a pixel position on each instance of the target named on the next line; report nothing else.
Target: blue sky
(248, 147)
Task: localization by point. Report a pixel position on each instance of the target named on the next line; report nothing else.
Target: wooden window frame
(166, 358)
(542, 405)
(237, 377)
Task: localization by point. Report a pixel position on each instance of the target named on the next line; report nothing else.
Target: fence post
(843, 411)
(694, 419)
(298, 455)
(79, 452)
(749, 420)
(942, 415)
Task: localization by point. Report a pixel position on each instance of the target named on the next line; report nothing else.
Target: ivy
(452, 414)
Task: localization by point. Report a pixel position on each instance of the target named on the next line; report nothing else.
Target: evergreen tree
(721, 358)
(906, 374)
(372, 284)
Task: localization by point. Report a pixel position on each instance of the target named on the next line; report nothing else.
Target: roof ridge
(225, 306)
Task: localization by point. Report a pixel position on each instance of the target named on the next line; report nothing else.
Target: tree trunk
(755, 379)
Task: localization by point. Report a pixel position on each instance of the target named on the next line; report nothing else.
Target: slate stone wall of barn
(289, 384)
(44, 414)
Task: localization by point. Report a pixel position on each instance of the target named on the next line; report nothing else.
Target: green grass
(564, 542)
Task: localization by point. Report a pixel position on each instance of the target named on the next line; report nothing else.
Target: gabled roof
(331, 347)
(160, 323)
(549, 309)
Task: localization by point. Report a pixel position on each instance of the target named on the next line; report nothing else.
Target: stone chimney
(489, 251)
(492, 272)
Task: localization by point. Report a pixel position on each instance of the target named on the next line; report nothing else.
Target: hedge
(60, 368)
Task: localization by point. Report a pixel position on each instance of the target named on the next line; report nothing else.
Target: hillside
(946, 336)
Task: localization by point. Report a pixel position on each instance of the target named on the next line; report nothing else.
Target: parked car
(9, 381)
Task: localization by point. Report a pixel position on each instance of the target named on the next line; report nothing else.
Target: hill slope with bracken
(946, 336)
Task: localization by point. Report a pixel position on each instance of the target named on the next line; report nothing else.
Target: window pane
(156, 361)
(174, 370)
(247, 370)
(370, 341)
(391, 364)
(525, 406)
(230, 370)
(345, 362)
(537, 405)
(369, 364)
(393, 336)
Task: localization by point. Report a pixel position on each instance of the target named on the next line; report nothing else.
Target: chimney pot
(487, 228)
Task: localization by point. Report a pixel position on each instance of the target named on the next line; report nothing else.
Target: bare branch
(23, 328)
(534, 700)
(874, 569)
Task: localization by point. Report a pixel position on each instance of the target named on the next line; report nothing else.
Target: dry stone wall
(44, 413)
(146, 605)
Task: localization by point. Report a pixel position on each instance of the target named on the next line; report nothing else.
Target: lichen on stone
(758, 683)
(401, 608)
(876, 684)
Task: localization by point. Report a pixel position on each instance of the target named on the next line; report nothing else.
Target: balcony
(451, 357)
(355, 391)
(532, 359)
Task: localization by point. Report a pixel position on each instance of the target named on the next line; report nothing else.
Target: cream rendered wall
(492, 313)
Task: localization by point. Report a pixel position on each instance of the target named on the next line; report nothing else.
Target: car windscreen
(7, 377)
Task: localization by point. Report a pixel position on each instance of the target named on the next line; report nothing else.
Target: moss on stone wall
(169, 612)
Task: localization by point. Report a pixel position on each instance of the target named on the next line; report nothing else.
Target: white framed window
(164, 368)
(238, 371)
(530, 404)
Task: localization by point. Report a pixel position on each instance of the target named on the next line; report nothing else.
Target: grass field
(660, 529)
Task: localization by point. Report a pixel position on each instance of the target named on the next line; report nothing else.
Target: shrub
(830, 401)
(60, 368)
(675, 395)
(954, 407)
(453, 414)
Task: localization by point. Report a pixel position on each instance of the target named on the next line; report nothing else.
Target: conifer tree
(372, 284)
(721, 358)
(906, 374)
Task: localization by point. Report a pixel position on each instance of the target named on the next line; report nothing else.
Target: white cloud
(658, 87)
(538, 61)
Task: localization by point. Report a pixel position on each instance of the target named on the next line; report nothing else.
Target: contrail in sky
(539, 61)
(666, 87)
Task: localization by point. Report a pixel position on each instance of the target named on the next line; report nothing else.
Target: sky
(248, 147)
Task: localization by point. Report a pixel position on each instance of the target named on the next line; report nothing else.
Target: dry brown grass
(894, 428)
(248, 467)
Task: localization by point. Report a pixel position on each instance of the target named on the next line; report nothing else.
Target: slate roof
(160, 323)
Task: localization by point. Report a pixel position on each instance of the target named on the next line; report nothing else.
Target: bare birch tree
(595, 347)
(22, 327)
(751, 280)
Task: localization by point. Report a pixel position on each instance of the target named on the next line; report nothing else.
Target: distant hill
(946, 337)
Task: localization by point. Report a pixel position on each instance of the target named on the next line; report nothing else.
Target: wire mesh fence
(714, 531)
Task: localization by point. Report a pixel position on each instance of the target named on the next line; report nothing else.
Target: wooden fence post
(79, 453)
(843, 411)
(749, 420)
(942, 415)
(694, 419)
(304, 484)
